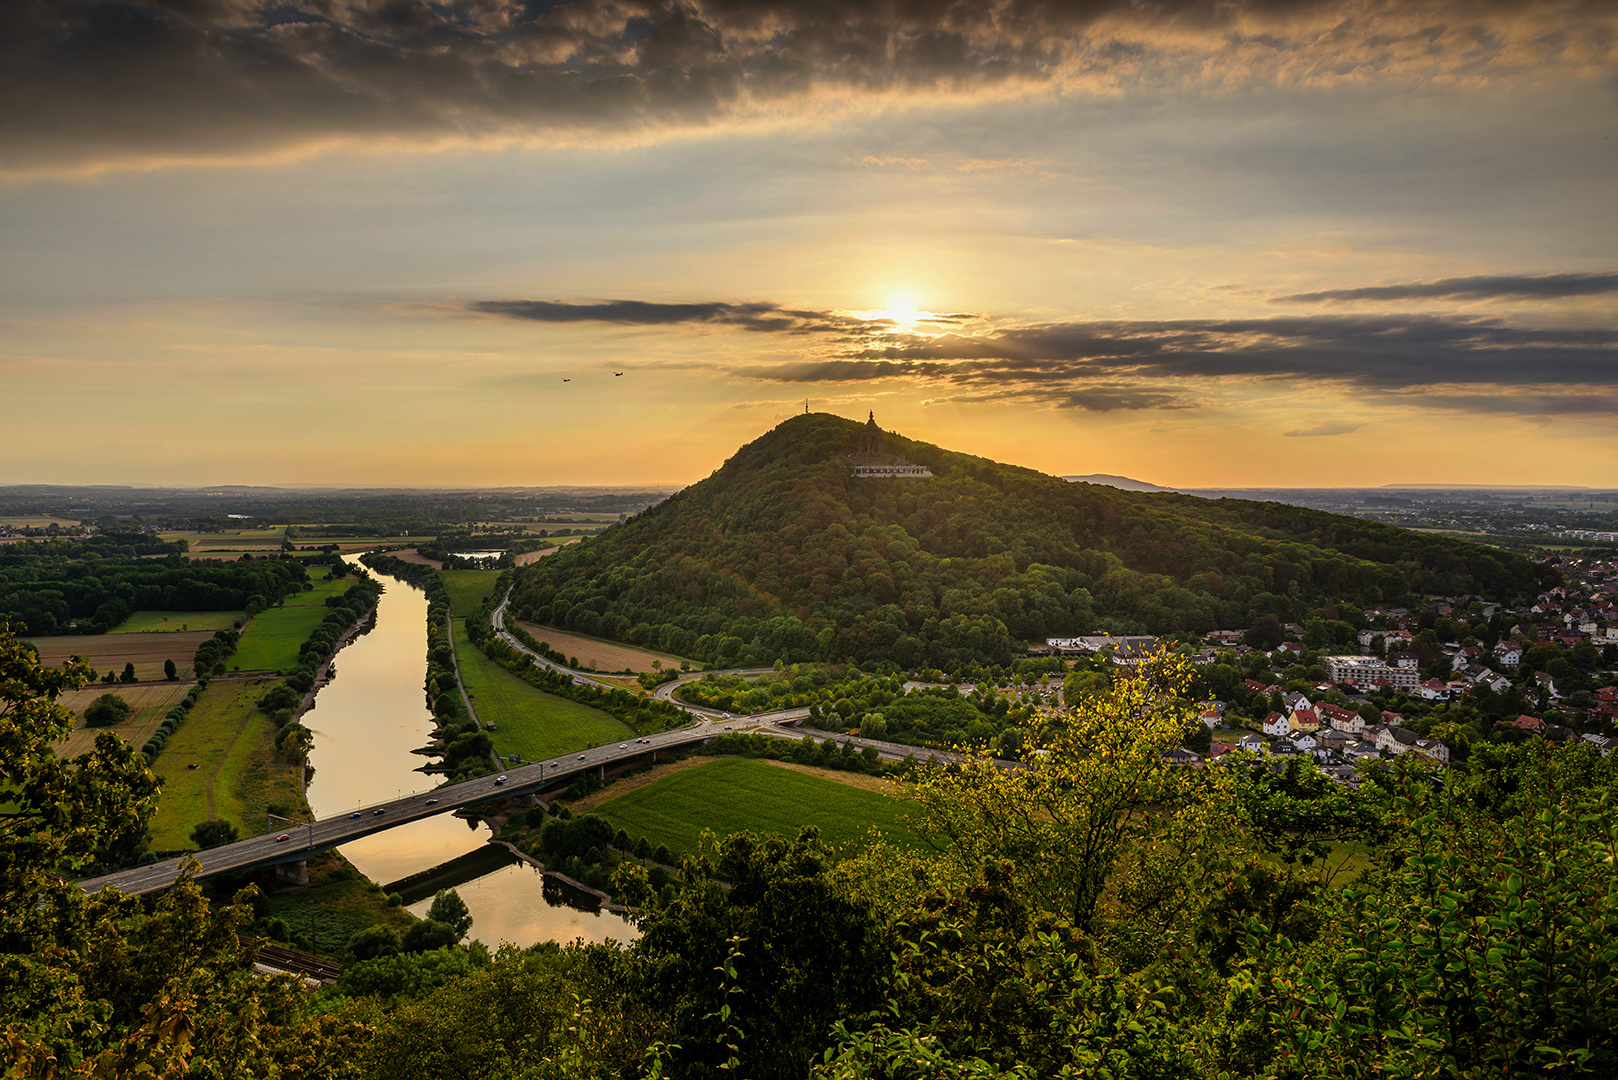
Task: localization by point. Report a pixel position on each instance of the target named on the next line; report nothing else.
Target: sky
(519, 242)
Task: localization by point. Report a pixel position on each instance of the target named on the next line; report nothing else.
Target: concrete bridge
(315, 837)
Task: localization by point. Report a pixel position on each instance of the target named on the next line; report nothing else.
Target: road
(301, 841)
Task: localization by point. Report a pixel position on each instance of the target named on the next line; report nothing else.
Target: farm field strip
(598, 654)
(110, 652)
(151, 702)
(173, 622)
(732, 795)
(529, 721)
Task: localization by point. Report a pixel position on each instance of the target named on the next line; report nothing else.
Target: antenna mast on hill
(806, 406)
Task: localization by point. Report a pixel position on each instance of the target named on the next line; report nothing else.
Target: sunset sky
(394, 242)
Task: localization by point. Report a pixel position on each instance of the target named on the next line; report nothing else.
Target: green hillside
(783, 552)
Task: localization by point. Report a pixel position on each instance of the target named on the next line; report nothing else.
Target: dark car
(379, 813)
(355, 814)
(432, 802)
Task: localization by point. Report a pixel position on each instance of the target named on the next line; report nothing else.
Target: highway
(311, 838)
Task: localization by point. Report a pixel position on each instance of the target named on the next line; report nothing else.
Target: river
(365, 723)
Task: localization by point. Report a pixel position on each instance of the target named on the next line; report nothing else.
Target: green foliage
(448, 908)
(775, 959)
(211, 834)
(783, 554)
(106, 710)
(410, 975)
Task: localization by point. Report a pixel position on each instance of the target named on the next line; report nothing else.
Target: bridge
(315, 837)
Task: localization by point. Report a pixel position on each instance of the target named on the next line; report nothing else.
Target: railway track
(273, 956)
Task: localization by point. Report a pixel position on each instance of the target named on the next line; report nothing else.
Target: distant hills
(1123, 483)
(783, 552)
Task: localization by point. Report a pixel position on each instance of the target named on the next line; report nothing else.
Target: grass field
(270, 642)
(110, 652)
(527, 721)
(598, 654)
(151, 702)
(468, 589)
(177, 622)
(734, 794)
(238, 774)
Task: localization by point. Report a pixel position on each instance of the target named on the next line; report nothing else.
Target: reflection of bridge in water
(315, 837)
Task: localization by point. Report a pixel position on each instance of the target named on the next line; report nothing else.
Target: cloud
(107, 83)
(1500, 287)
(1444, 361)
(1323, 429)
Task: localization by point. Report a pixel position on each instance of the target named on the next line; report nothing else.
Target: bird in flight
(616, 374)
(567, 380)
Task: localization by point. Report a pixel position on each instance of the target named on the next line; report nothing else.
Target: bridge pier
(293, 873)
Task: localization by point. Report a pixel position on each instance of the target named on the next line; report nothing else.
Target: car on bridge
(500, 779)
(280, 838)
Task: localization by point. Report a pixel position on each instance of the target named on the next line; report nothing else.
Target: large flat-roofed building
(1364, 671)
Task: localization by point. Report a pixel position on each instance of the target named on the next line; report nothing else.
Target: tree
(105, 985)
(1094, 789)
(448, 908)
(128, 675)
(170, 672)
(212, 834)
(107, 710)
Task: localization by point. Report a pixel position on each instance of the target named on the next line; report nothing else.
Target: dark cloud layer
(93, 81)
(1501, 287)
(1156, 364)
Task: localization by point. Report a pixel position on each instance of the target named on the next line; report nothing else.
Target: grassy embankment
(239, 777)
(177, 622)
(527, 721)
(271, 641)
(730, 795)
(337, 902)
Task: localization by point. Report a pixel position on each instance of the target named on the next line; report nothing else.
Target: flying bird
(567, 380)
(616, 374)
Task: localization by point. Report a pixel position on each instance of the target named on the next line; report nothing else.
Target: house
(1367, 671)
(1292, 702)
(1339, 718)
(1396, 740)
(1508, 654)
(1304, 720)
(1433, 690)
(1295, 648)
(1180, 756)
(1218, 750)
(1304, 741)
(1333, 739)
(1276, 724)
(1404, 660)
(1211, 718)
(1532, 724)
(1433, 750)
(1253, 742)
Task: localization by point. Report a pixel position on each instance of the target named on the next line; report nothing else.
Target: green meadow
(238, 774)
(468, 589)
(174, 622)
(270, 642)
(528, 721)
(731, 795)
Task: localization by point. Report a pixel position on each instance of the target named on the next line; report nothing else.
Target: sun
(902, 309)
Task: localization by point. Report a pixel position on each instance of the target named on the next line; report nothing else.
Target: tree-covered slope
(783, 552)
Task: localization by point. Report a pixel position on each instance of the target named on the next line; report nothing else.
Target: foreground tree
(108, 985)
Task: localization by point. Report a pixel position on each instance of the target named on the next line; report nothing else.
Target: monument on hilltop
(869, 459)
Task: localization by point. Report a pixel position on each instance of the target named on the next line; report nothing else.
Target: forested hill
(784, 553)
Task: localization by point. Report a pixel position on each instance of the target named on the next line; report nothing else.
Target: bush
(107, 710)
(212, 834)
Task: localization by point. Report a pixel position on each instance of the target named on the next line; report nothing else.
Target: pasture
(110, 652)
(238, 774)
(270, 642)
(177, 622)
(151, 702)
(730, 795)
(468, 589)
(528, 721)
(599, 654)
